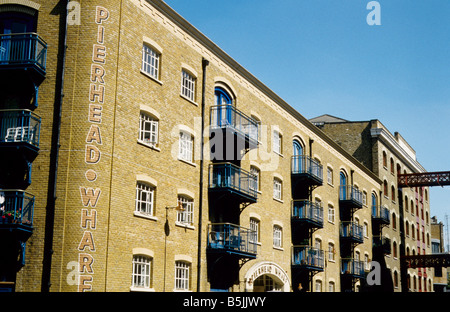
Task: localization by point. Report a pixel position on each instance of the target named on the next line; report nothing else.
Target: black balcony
(351, 232)
(352, 268)
(20, 130)
(307, 214)
(382, 244)
(231, 132)
(232, 239)
(234, 182)
(350, 197)
(16, 213)
(308, 258)
(24, 52)
(306, 170)
(380, 215)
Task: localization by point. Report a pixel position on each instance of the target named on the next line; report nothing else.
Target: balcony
(233, 181)
(352, 268)
(20, 130)
(306, 170)
(232, 239)
(382, 244)
(16, 212)
(233, 132)
(307, 214)
(351, 232)
(26, 51)
(380, 215)
(350, 197)
(308, 258)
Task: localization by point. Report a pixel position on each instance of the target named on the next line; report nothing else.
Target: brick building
(139, 156)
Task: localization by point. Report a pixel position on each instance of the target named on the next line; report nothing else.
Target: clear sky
(322, 57)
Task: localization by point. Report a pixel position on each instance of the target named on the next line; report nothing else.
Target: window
(331, 287)
(276, 143)
(148, 129)
(186, 146)
(186, 216)
(141, 271)
(277, 236)
(318, 286)
(394, 221)
(394, 249)
(331, 252)
(392, 166)
(150, 61)
(256, 172)
(385, 188)
(145, 196)
(188, 85)
(182, 275)
(393, 193)
(254, 226)
(364, 198)
(330, 176)
(384, 160)
(365, 229)
(330, 213)
(277, 188)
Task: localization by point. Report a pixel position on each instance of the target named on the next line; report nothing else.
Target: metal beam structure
(422, 261)
(424, 179)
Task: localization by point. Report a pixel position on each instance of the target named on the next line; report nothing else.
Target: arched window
(222, 97)
(297, 159)
(374, 204)
(343, 185)
(385, 188)
(223, 114)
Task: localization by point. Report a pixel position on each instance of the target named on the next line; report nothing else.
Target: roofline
(223, 56)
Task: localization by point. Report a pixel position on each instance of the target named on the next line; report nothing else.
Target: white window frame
(277, 189)
(186, 146)
(277, 236)
(254, 226)
(182, 275)
(256, 172)
(277, 142)
(188, 82)
(148, 129)
(331, 252)
(330, 176)
(142, 272)
(331, 213)
(150, 61)
(145, 206)
(186, 216)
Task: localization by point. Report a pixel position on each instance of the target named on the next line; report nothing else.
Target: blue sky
(322, 57)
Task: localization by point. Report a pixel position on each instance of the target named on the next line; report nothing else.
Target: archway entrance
(267, 276)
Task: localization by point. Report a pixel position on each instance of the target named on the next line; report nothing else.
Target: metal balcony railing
(19, 126)
(381, 213)
(23, 49)
(306, 210)
(382, 243)
(228, 116)
(308, 257)
(227, 175)
(302, 164)
(232, 238)
(351, 230)
(352, 267)
(350, 193)
(16, 207)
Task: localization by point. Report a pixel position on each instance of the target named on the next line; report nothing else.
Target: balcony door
(15, 48)
(225, 109)
(343, 183)
(297, 165)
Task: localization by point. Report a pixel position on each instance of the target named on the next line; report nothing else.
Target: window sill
(279, 154)
(278, 200)
(149, 145)
(185, 225)
(189, 100)
(152, 78)
(187, 162)
(145, 216)
(278, 248)
(141, 289)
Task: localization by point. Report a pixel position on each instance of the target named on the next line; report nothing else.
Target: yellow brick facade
(97, 230)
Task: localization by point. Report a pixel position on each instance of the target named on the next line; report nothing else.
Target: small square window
(150, 61)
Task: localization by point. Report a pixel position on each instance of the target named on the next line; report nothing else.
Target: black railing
(307, 211)
(302, 164)
(350, 193)
(381, 213)
(228, 116)
(16, 207)
(308, 257)
(227, 175)
(19, 126)
(352, 267)
(351, 230)
(232, 238)
(22, 49)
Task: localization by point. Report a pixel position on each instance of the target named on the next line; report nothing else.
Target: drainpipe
(205, 63)
(54, 154)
